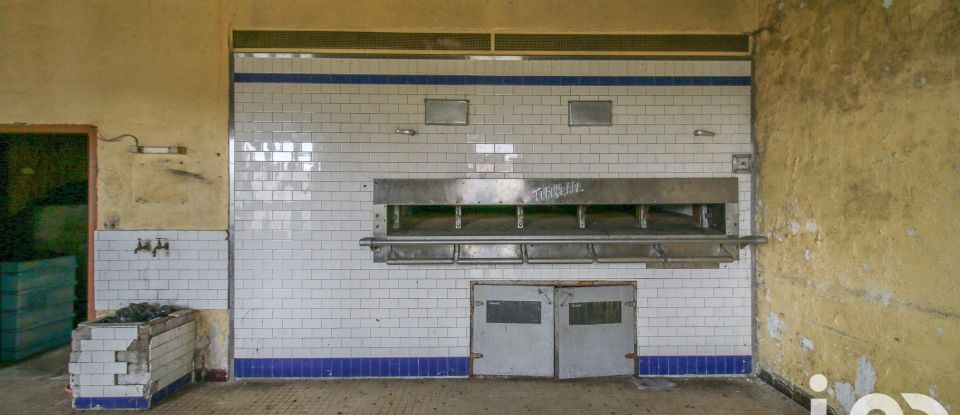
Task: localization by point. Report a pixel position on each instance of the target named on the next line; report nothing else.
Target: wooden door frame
(91, 132)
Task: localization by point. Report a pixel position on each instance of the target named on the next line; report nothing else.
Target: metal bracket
(477, 303)
(642, 216)
(630, 356)
(540, 291)
(476, 355)
(632, 303)
(396, 217)
(458, 216)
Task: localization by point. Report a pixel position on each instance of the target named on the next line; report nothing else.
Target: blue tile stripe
(137, 402)
(170, 389)
(351, 367)
(694, 365)
(299, 78)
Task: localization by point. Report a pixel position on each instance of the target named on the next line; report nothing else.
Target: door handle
(540, 291)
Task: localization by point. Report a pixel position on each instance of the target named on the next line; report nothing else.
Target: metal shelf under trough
(557, 249)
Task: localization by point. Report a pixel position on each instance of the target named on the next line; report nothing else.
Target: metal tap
(143, 245)
(161, 244)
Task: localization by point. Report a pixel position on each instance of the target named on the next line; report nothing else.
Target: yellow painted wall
(858, 125)
(159, 69)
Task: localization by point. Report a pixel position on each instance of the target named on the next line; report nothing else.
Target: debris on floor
(654, 384)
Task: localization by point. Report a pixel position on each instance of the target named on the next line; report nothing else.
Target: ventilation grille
(622, 43)
(275, 39)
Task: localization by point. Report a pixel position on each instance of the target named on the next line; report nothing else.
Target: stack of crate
(36, 305)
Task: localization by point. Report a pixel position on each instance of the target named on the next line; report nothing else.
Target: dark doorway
(45, 237)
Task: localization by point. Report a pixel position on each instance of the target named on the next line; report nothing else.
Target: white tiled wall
(171, 354)
(192, 273)
(307, 154)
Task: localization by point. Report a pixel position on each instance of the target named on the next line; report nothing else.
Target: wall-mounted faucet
(143, 245)
(161, 244)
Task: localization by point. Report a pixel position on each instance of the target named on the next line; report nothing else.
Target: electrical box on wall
(743, 163)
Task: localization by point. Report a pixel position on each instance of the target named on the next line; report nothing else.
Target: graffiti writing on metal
(556, 191)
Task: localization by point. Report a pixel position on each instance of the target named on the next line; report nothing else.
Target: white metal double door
(546, 331)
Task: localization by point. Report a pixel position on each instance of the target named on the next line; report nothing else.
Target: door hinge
(476, 355)
(631, 303)
(477, 303)
(630, 356)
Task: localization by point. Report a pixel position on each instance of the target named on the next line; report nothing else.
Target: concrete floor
(36, 386)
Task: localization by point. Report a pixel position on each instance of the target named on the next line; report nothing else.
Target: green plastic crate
(40, 274)
(22, 339)
(25, 319)
(20, 344)
(36, 305)
(33, 299)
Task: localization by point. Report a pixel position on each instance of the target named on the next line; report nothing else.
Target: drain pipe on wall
(754, 206)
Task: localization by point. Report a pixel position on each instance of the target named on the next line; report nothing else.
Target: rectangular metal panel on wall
(513, 330)
(554, 191)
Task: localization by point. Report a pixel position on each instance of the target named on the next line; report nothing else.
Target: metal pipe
(419, 261)
(490, 261)
(406, 131)
(561, 261)
(548, 239)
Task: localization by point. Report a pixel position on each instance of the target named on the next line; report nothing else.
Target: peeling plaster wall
(858, 130)
(213, 330)
(159, 70)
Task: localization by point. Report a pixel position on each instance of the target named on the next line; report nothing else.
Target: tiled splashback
(191, 273)
(308, 148)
